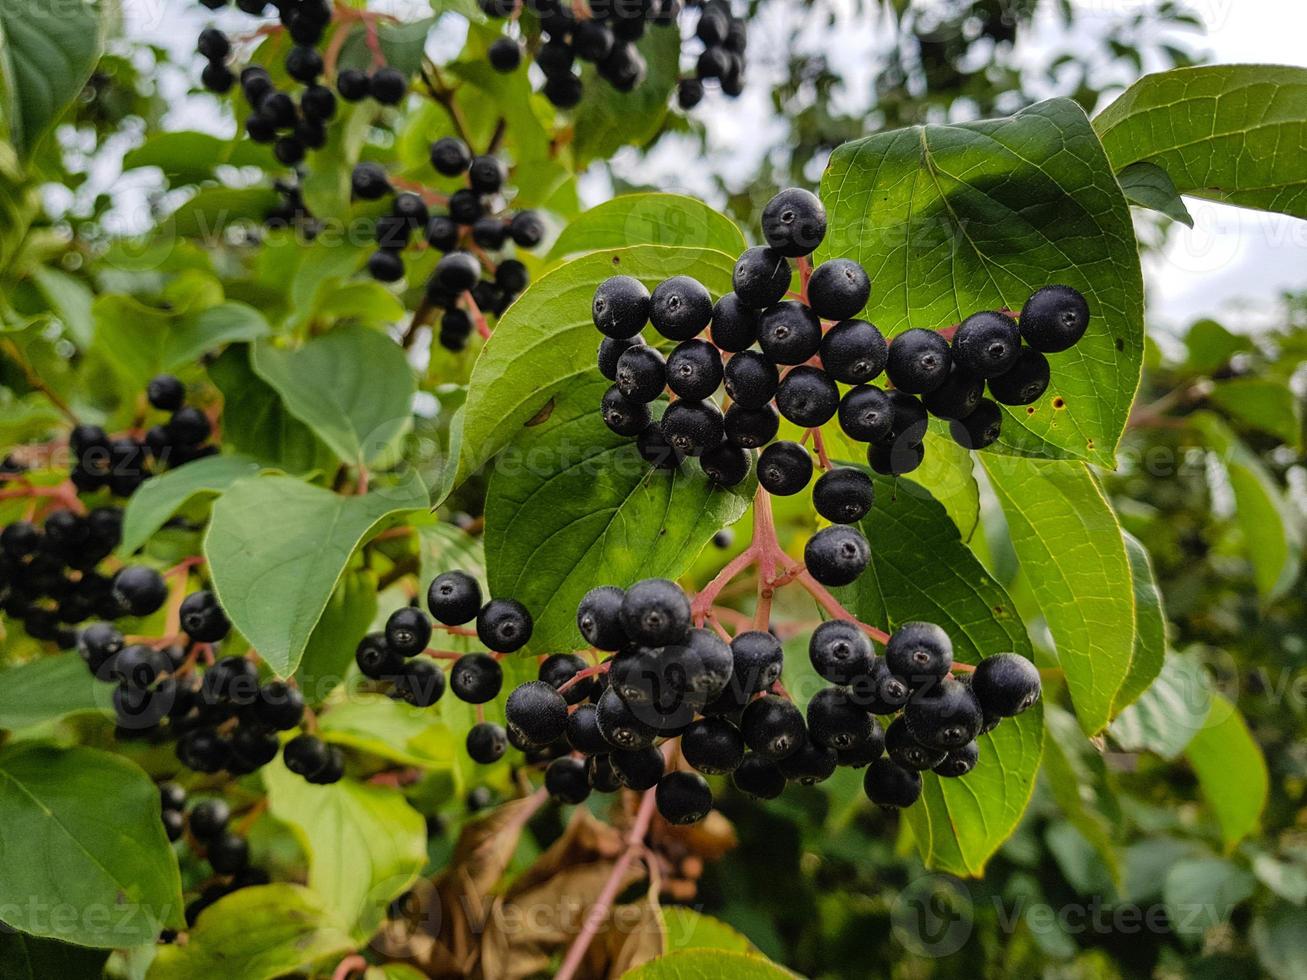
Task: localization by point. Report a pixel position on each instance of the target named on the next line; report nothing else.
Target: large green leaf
(1074, 559)
(1231, 770)
(365, 844)
(1149, 186)
(650, 219)
(46, 55)
(1077, 777)
(28, 958)
(949, 220)
(352, 386)
(547, 341)
(214, 209)
(1263, 404)
(391, 730)
(688, 929)
(1273, 534)
(162, 496)
(1150, 627)
(1231, 133)
(708, 964)
(606, 120)
(257, 934)
(572, 506)
(1201, 893)
(1170, 713)
(276, 548)
(83, 832)
(47, 689)
(958, 823)
(330, 650)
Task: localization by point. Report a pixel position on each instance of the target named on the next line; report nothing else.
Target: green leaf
(606, 120)
(70, 298)
(277, 547)
(1149, 186)
(1280, 937)
(1228, 133)
(1150, 627)
(256, 422)
(650, 219)
(352, 386)
(330, 650)
(547, 340)
(27, 418)
(209, 329)
(401, 45)
(572, 505)
(1071, 551)
(688, 929)
(257, 933)
(60, 852)
(215, 209)
(958, 823)
(1201, 893)
(185, 157)
(1231, 770)
(704, 964)
(390, 730)
(160, 497)
(1078, 779)
(1266, 405)
(28, 958)
(47, 689)
(365, 844)
(446, 547)
(46, 57)
(949, 220)
(1211, 346)
(1170, 713)
(1273, 535)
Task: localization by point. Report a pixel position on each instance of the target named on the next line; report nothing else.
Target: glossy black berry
(228, 854)
(213, 44)
(655, 612)
(789, 332)
(592, 40)
(751, 379)
(166, 393)
(838, 289)
(837, 555)
(784, 468)
(172, 796)
(757, 660)
(486, 743)
(866, 414)
(487, 174)
(1054, 318)
(369, 182)
(703, 668)
(713, 746)
(620, 726)
(908, 422)
(610, 350)
(758, 777)
(352, 85)
(306, 755)
(1005, 684)
(810, 764)
(1025, 382)
(979, 429)
(904, 749)
(173, 824)
(566, 781)
(957, 397)
(683, 797)
(734, 325)
(692, 428)
(761, 277)
(807, 396)
(694, 369)
(623, 415)
(638, 769)
(854, 351)
(563, 90)
(839, 651)
(387, 86)
(689, 93)
(318, 103)
(203, 619)
(476, 678)
(889, 785)
(837, 722)
(621, 307)
(188, 427)
(450, 156)
(140, 590)
(959, 761)
(526, 229)
(375, 658)
(987, 344)
(681, 308)
(505, 54)
(304, 64)
(599, 618)
(919, 651)
(945, 715)
(843, 495)
(203, 750)
(20, 539)
(458, 272)
(454, 598)
(641, 373)
(879, 690)
(583, 731)
(209, 818)
(408, 631)
(442, 233)
(773, 727)
(536, 713)
(504, 625)
(751, 428)
(559, 670)
(919, 361)
(253, 747)
(794, 222)
(386, 266)
(727, 465)
(419, 683)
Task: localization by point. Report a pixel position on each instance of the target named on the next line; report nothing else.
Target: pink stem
(832, 606)
(348, 965)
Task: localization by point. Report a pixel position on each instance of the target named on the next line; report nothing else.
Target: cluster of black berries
(475, 216)
(226, 851)
(121, 464)
(394, 655)
(666, 680)
(725, 39)
(291, 211)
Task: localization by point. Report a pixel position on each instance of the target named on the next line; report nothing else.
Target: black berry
(166, 393)
(979, 429)
(758, 777)
(987, 344)
(694, 369)
(840, 652)
(757, 660)
(807, 396)
(486, 743)
(843, 495)
(504, 625)
(140, 590)
(794, 222)
(536, 713)
(918, 652)
(454, 598)
(751, 379)
(751, 428)
(621, 307)
(1024, 382)
(789, 332)
(641, 373)
(683, 797)
(919, 361)
(1054, 318)
(836, 555)
(727, 465)
(784, 468)
(566, 781)
(599, 618)
(655, 612)
(623, 415)
(408, 631)
(838, 289)
(773, 727)
(866, 413)
(734, 325)
(681, 308)
(692, 428)
(945, 715)
(889, 785)
(959, 761)
(419, 683)
(957, 397)
(476, 678)
(761, 277)
(854, 351)
(1005, 684)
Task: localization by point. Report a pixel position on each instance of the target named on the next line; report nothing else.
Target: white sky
(1234, 263)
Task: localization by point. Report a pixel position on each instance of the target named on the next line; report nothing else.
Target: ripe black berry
(213, 44)
(203, 619)
(957, 397)
(140, 590)
(419, 683)
(773, 727)
(758, 777)
(807, 396)
(908, 427)
(945, 715)
(278, 706)
(369, 182)
(919, 652)
(866, 413)
(840, 652)
(386, 266)
(810, 764)
(959, 762)
(454, 598)
(486, 743)
(304, 64)
(621, 307)
(1054, 318)
(599, 618)
(318, 103)
(583, 731)
(20, 539)
(843, 495)
(838, 723)
(692, 428)
(465, 206)
(610, 350)
(563, 90)
(681, 308)
(504, 625)
(1026, 380)
(173, 824)
(641, 373)
(408, 631)
(694, 369)
(638, 769)
(476, 678)
(187, 427)
(751, 428)
(761, 277)
(789, 332)
(505, 54)
(794, 222)
(713, 746)
(751, 379)
(487, 174)
(784, 468)
(727, 465)
(209, 818)
(1005, 684)
(566, 781)
(172, 796)
(734, 325)
(836, 555)
(902, 747)
(536, 713)
(228, 854)
(203, 750)
(442, 233)
(838, 289)
(619, 725)
(166, 393)
(306, 755)
(557, 670)
(689, 93)
(854, 351)
(879, 691)
(623, 415)
(375, 658)
(757, 660)
(683, 797)
(253, 747)
(527, 230)
(592, 40)
(889, 785)
(655, 612)
(603, 776)
(702, 669)
(387, 86)
(458, 272)
(987, 344)
(979, 429)
(352, 85)
(919, 361)
(490, 233)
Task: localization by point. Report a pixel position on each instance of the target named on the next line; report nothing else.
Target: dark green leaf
(708, 964)
(160, 497)
(1266, 405)
(1149, 186)
(47, 689)
(1150, 627)
(330, 650)
(1170, 713)
(28, 958)
(1231, 770)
